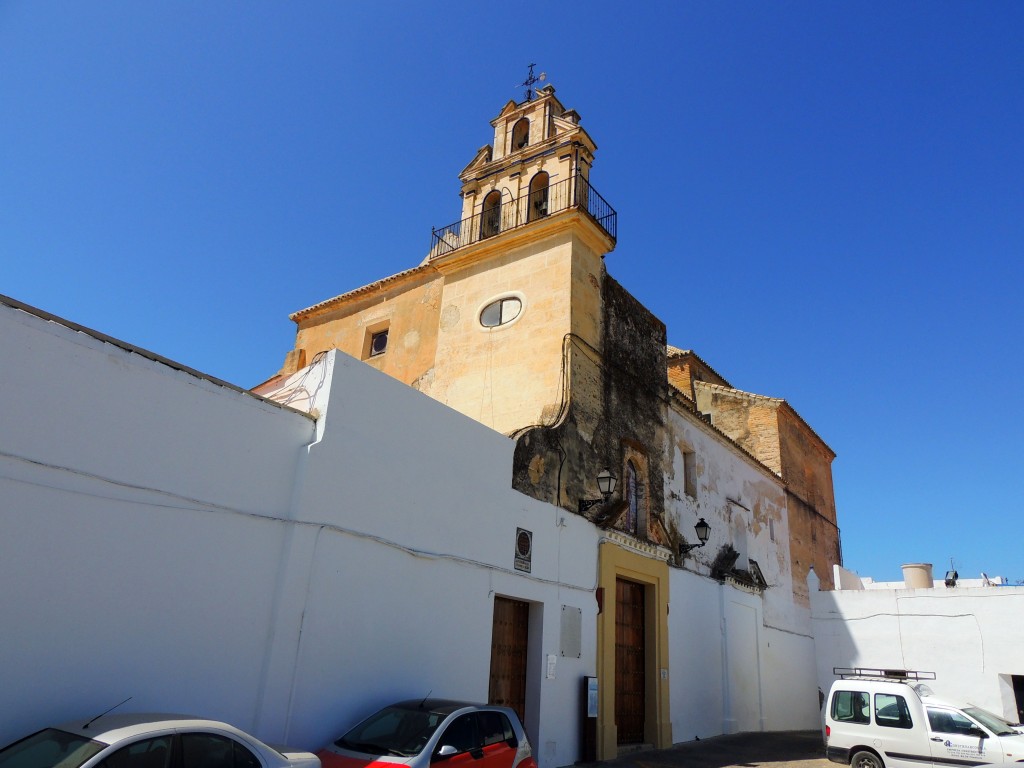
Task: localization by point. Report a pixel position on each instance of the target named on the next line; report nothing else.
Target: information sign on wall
(524, 549)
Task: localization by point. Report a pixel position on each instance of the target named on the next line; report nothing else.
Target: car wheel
(866, 760)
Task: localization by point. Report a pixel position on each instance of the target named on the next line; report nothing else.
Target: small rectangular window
(378, 343)
(892, 711)
(690, 474)
(850, 707)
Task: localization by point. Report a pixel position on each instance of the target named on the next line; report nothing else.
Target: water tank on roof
(918, 576)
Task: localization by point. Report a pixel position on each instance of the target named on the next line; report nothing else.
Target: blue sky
(824, 200)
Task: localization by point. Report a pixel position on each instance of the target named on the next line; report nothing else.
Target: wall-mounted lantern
(951, 577)
(703, 534)
(606, 484)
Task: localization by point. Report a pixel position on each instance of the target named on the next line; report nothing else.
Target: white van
(876, 718)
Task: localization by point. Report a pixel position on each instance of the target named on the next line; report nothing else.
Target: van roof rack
(845, 673)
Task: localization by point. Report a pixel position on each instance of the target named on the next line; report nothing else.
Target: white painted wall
(203, 550)
(140, 522)
(731, 670)
(970, 637)
(739, 659)
(695, 631)
(415, 524)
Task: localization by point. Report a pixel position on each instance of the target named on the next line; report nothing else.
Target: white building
(172, 538)
(970, 634)
(169, 537)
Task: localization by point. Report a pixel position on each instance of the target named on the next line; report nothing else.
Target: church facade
(721, 500)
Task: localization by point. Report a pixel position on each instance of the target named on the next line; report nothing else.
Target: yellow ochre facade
(506, 376)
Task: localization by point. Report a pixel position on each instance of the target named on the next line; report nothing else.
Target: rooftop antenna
(530, 80)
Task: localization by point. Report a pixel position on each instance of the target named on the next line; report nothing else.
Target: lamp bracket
(687, 548)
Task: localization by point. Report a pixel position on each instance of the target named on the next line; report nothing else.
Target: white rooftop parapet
(844, 579)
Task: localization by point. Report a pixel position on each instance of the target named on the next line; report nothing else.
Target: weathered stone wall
(635, 393)
(615, 412)
(806, 464)
(773, 433)
(752, 421)
(744, 503)
(814, 541)
(679, 376)
(807, 470)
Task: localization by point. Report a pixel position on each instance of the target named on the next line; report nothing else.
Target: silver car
(148, 741)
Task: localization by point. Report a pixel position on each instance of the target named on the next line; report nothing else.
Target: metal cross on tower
(529, 82)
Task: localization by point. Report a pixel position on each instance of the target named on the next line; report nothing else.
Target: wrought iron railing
(575, 192)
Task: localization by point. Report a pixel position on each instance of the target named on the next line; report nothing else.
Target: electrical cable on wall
(198, 505)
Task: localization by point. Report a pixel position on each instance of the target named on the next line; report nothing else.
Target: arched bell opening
(520, 134)
(490, 215)
(538, 206)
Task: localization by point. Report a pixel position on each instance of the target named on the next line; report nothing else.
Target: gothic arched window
(490, 215)
(632, 498)
(520, 134)
(538, 197)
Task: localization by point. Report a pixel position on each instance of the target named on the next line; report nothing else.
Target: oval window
(500, 312)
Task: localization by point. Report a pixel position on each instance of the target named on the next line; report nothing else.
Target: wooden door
(509, 636)
(630, 662)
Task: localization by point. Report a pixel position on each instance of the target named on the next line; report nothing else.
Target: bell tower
(525, 266)
(482, 323)
(538, 165)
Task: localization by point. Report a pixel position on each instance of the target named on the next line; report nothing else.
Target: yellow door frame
(614, 562)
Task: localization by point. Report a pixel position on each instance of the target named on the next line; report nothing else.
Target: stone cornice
(644, 548)
(385, 283)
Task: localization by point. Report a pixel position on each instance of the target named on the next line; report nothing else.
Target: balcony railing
(574, 192)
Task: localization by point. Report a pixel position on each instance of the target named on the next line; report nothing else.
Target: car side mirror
(977, 732)
(444, 753)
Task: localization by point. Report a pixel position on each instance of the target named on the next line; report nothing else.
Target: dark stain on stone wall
(616, 405)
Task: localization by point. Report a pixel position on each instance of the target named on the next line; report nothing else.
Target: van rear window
(892, 711)
(850, 707)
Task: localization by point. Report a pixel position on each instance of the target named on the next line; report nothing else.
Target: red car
(421, 733)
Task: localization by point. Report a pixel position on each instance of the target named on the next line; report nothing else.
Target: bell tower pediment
(509, 108)
(536, 169)
(482, 157)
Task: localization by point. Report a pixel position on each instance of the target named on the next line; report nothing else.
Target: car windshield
(49, 749)
(397, 730)
(994, 723)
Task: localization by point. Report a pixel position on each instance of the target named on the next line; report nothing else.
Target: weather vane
(529, 82)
